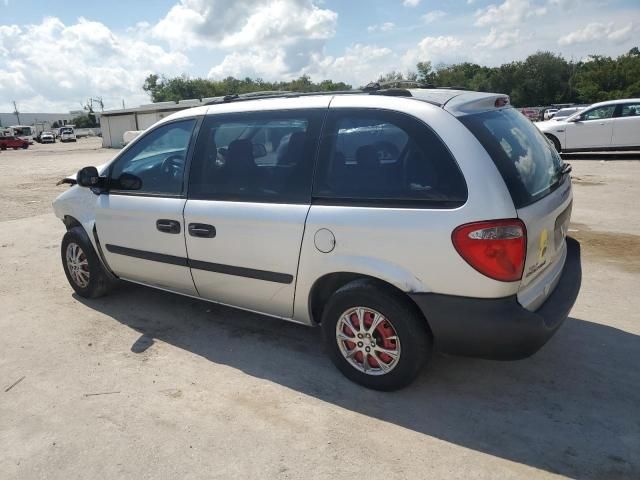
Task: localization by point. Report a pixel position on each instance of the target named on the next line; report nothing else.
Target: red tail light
(496, 248)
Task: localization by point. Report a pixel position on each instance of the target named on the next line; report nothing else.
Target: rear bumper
(501, 328)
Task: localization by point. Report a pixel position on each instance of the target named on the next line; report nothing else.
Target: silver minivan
(401, 221)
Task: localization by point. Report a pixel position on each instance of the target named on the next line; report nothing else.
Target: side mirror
(259, 150)
(128, 181)
(88, 177)
(575, 119)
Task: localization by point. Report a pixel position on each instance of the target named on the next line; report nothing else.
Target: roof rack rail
(396, 84)
(371, 89)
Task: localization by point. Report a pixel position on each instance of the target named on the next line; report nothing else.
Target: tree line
(543, 78)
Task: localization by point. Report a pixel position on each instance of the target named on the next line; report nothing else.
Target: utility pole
(123, 107)
(16, 112)
(99, 101)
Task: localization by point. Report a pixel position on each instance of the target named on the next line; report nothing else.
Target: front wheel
(374, 336)
(81, 264)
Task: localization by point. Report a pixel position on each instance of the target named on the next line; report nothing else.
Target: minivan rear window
(528, 163)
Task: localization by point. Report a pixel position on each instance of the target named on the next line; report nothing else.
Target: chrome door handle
(202, 230)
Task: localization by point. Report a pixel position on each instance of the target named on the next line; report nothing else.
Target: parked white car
(47, 137)
(612, 125)
(400, 220)
(67, 134)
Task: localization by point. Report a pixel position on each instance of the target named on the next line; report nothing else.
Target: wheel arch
(328, 284)
(556, 141)
(71, 222)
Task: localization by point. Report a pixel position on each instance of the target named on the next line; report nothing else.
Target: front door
(139, 221)
(594, 129)
(249, 194)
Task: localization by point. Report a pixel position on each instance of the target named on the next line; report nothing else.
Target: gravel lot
(146, 384)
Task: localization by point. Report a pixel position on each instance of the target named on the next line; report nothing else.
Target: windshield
(529, 164)
(22, 131)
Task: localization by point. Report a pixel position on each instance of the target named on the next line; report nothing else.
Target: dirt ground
(145, 384)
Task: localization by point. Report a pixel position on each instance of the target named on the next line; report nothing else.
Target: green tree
(163, 89)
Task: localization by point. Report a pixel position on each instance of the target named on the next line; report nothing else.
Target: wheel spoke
(365, 361)
(347, 321)
(360, 315)
(392, 353)
(346, 338)
(377, 319)
(383, 365)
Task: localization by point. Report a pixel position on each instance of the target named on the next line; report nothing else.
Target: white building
(7, 119)
(114, 123)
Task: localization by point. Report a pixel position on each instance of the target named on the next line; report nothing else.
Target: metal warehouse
(114, 123)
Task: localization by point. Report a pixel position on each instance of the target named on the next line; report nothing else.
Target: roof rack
(235, 97)
(396, 84)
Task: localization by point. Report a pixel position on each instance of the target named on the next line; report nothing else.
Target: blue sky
(54, 55)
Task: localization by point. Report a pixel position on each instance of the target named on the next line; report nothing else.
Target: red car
(13, 142)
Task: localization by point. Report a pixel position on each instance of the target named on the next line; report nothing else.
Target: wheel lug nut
(360, 344)
(367, 349)
(359, 335)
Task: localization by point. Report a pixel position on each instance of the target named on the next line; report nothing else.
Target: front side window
(256, 157)
(386, 157)
(157, 160)
(630, 110)
(600, 113)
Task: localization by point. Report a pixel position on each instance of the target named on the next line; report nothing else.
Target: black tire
(409, 326)
(556, 143)
(25, 146)
(99, 281)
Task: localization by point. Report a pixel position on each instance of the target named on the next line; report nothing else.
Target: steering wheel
(172, 165)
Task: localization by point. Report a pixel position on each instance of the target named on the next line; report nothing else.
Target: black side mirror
(88, 177)
(128, 181)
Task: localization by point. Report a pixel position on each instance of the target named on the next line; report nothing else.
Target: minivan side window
(256, 157)
(386, 157)
(157, 160)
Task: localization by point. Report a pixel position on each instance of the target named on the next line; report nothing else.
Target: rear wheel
(374, 336)
(83, 268)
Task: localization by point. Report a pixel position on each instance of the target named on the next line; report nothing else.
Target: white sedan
(612, 125)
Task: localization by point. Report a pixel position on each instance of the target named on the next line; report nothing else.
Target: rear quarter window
(528, 163)
(386, 158)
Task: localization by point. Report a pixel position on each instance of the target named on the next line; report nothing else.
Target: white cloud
(411, 3)
(243, 23)
(435, 49)
(499, 39)
(597, 32)
(384, 27)
(432, 16)
(358, 65)
(56, 66)
(510, 12)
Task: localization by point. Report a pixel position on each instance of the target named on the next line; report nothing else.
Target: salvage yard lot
(146, 384)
